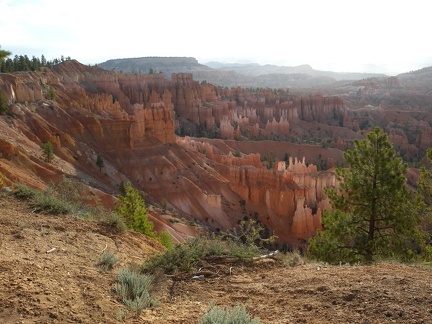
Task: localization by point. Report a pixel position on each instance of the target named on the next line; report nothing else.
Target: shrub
(293, 259)
(218, 315)
(69, 189)
(24, 193)
(108, 218)
(165, 239)
(47, 201)
(107, 261)
(164, 204)
(132, 209)
(134, 290)
(187, 256)
(427, 253)
(237, 153)
(250, 233)
(65, 198)
(51, 93)
(43, 201)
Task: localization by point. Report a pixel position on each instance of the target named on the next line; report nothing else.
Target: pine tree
(133, 210)
(48, 151)
(100, 162)
(3, 55)
(425, 182)
(425, 190)
(374, 214)
(3, 103)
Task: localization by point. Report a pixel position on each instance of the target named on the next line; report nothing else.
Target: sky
(343, 36)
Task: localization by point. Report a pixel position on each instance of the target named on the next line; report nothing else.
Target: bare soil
(49, 274)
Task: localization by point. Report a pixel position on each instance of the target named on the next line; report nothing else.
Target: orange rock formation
(130, 120)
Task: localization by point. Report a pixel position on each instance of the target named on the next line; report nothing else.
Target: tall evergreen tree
(425, 189)
(100, 162)
(374, 214)
(3, 55)
(3, 103)
(48, 151)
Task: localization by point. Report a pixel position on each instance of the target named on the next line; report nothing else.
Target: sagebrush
(235, 315)
(134, 289)
(107, 261)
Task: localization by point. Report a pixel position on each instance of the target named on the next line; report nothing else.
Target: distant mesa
(234, 74)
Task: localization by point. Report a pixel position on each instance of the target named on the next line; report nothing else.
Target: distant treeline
(24, 63)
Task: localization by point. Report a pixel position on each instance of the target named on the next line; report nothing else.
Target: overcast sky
(352, 36)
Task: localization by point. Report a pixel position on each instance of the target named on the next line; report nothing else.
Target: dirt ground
(48, 274)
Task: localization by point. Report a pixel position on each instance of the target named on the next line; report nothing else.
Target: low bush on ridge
(188, 256)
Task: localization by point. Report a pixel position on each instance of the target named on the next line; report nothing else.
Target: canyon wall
(130, 120)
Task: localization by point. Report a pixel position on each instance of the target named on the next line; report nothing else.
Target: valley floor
(48, 274)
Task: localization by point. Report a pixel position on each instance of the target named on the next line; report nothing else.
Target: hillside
(205, 158)
(49, 275)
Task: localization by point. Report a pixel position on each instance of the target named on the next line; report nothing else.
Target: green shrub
(132, 209)
(236, 315)
(107, 261)
(187, 256)
(43, 201)
(48, 201)
(134, 290)
(69, 189)
(237, 153)
(108, 218)
(427, 253)
(24, 192)
(65, 198)
(51, 93)
(165, 239)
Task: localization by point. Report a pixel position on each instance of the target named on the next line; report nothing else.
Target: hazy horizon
(335, 35)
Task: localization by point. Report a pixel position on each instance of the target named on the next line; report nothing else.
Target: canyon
(210, 155)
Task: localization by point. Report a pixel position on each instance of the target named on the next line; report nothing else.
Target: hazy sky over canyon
(370, 35)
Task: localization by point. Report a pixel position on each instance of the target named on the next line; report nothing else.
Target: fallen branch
(52, 250)
(266, 256)
(106, 245)
(223, 259)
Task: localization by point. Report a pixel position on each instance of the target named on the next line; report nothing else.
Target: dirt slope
(65, 286)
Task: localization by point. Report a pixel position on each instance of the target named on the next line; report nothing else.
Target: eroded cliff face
(130, 120)
(289, 198)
